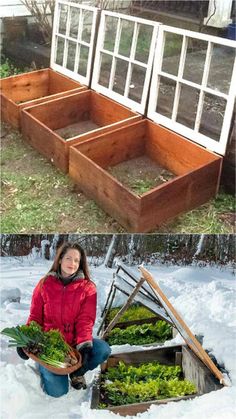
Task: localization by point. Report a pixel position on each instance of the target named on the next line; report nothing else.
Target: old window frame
(193, 134)
(79, 42)
(107, 91)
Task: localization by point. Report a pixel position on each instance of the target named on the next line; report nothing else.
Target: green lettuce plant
(125, 384)
(140, 334)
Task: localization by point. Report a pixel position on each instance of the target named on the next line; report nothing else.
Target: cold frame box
(79, 117)
(192, 367)
(28, 89)
(196, 174)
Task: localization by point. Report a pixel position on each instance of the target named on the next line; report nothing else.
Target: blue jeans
(58, 385)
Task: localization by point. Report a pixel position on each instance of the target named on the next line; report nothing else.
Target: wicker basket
(59, 371)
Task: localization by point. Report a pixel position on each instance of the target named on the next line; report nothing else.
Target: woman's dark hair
(61, 251)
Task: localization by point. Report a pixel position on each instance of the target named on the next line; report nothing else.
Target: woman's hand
(22, 354)
(86, 353)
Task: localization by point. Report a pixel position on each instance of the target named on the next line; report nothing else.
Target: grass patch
(215, 217)
(31, 203)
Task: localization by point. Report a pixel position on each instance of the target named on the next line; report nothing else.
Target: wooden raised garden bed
(19, 92)
(54, 126)
(193, 171)
(193, 370)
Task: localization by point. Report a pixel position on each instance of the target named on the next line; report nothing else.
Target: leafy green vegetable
(17, 338)
(126, 384)
(143, 372)
(49, 346)
(125, 392)
(140, 334)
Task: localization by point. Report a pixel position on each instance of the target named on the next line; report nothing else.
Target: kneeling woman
(65, 299)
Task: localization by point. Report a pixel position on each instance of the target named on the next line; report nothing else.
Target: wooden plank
(60, 83)
(164, 355)
(116, 146)
(135, 408)
(48, 98)
(183, 329)
(63, 111)
(99, 185)
(176, 153)
(45, 141)
(9, 112)
(33, 88)
(102, 130)
(184, 193)
(26, 86)
(106, 111)
(194, 370)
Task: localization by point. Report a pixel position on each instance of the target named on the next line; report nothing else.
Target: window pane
(126, 37)
(83, 60)
(71, 55)
(87, 26)
(136, 83)
(195, 60)
(212, 116)
(105, 70)
(171, 55)
(63, 19)
(187, 109)
(221, 68)
(74, 22)
(110, 33)
(166, 94)
(120, 76)
(143, 43)
(60, 51)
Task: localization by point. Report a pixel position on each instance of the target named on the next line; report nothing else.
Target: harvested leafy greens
(49, 346)
(140, 334)
(125, 384)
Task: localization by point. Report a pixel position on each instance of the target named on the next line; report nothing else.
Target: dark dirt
(141, 174)
(76, 129)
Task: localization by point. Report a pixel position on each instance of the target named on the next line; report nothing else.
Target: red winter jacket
(70, 308)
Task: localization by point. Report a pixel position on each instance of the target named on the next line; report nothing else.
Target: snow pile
(205, 298)
(9, 295)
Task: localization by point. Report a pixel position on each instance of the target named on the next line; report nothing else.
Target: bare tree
(43, 14)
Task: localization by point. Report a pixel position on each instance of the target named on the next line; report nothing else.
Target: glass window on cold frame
(124, 56)
(73, 40)
(193, 85)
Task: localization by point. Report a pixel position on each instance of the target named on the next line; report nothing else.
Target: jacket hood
(79, 275)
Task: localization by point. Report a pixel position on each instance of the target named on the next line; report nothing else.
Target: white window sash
(79, 42)
(107, 91)
(193, 134)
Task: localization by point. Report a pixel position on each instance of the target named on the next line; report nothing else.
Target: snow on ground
(205, 297)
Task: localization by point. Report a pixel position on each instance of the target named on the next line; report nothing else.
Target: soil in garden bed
(127, 384)
(76, 129)
(140, 174)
